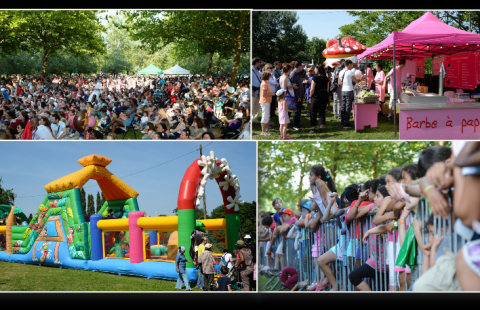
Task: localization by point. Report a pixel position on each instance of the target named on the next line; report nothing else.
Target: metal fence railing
(346, 242)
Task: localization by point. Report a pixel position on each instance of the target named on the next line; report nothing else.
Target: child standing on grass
(223, 282)
(283, 114)
(265, 101)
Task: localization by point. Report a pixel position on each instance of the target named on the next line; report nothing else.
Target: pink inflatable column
(136, 238)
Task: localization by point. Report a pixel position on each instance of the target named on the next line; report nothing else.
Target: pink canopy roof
(426, 36)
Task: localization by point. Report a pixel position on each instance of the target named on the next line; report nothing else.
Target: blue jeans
(297, 112)
(347, 99)
(122, 109)
(200, 280)
(182, 278)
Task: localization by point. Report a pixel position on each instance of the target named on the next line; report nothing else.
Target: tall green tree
(91, 205)
(277, 36)
(73, 32)
(83, 200)
(158, 28)
(99, 203)
(465, 20)
(7, 196)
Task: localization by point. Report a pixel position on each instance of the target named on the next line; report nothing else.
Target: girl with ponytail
(324, 207)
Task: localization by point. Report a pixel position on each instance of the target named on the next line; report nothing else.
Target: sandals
(312, 131)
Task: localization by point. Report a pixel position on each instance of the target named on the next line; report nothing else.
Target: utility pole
(204, 194)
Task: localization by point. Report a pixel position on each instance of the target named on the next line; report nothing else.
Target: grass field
(333, 129)
(19, 277)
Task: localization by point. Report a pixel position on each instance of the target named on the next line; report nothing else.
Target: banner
(436, 64)
(461, 71)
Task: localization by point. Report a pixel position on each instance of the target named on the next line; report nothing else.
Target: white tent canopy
(176, 70)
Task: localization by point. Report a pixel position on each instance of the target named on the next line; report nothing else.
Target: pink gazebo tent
(425, 37)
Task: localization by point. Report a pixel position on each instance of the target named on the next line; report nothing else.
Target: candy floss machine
(410, 80)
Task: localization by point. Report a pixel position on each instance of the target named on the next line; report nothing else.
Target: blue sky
(28, 166)
(323, 24)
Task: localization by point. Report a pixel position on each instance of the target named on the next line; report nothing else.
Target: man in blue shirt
(256, 81)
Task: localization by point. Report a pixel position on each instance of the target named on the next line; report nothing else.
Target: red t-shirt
(272, 227)
(358, 227)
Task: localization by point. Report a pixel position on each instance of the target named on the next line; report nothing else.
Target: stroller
(234, 276)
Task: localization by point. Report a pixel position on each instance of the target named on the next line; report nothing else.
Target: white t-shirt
(58, 129)
(144, 119)
(346, 77)
(41, 133)
(227, 259)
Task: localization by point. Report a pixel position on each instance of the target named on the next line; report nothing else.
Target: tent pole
(394, 93)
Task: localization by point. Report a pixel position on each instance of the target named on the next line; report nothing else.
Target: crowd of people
(345, 240)
(238, 266)
(284, 87)
(164, 107)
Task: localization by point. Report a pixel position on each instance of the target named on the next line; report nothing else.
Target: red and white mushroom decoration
(345, 48)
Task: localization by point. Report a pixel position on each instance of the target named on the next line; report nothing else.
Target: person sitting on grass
(223, 282)
(124, 120)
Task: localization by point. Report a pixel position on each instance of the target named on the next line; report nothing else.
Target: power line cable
(135, 172)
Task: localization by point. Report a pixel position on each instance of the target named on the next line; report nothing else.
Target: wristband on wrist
(395, 224)
(401, 222)
(427, 188)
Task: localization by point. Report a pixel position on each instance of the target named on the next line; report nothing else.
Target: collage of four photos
(355, 171)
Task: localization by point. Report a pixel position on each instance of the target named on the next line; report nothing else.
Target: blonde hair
(265, 67)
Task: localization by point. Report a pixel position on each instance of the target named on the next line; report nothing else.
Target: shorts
(390, 104)
(392, 269)
(279, 250)
(471, 255)
(337, 250)
(265, 113)
(352, 247)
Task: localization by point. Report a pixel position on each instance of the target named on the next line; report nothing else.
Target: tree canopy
(212, 30)
(75, 33)
(7, 196)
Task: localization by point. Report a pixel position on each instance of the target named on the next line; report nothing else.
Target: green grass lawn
(333, 129)
(262, 280)
(19, 277)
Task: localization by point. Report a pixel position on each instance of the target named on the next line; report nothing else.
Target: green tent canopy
(150, 70)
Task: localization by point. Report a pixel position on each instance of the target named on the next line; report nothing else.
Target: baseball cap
(208, 246)
(247, 237)
(287, 211)
(280, 92)
(306, 204)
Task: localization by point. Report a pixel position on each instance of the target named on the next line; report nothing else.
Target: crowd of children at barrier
(173, 107)
(413, 205)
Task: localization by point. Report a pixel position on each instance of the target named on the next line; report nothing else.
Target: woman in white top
(285, 83)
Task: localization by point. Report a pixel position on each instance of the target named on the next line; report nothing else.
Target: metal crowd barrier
(331, 235)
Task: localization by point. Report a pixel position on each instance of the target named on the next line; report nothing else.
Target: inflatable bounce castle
(126, 242)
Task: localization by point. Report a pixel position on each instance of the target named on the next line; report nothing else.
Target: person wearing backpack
(227, 259)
